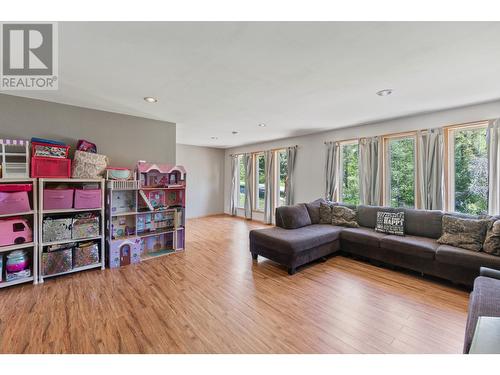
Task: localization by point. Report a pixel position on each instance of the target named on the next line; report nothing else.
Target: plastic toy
(15, 231)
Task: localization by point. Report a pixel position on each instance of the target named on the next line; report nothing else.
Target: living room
(228, 184)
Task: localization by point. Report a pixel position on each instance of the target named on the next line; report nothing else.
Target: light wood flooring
(213, 299)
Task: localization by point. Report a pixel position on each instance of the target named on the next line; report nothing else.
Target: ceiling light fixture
(150, 99)
(234, 132)
(262, 125)
(384, 92)
(214, 138)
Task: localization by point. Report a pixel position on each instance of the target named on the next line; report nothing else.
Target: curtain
(248, 161)
(332, 168)
(494, 167)
(370, 169)
(430, 169)
(235, 185)
(291, 153)
(270, 193)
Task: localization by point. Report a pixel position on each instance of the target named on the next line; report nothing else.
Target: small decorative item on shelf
(57, 262)
(56, 229)
(17, 265)
(86, 146)
(85, 226)
(14, 154)
(113, 173)
(14, 198)
(85, 254)
(15, 231)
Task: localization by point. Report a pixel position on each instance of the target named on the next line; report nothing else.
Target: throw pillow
(325, 213)
(344, 217)
(391, 223)
(313, 209)
(463, 232)
(492, 242)
(292, 217)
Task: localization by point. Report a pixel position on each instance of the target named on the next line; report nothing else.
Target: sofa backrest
(367, 215)
(424, 223)
(292, 217)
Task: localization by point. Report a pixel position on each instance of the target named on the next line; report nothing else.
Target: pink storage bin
(57, 199)
(14, 202)
(88, 198)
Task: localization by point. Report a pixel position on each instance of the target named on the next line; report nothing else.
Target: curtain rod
(258, 152)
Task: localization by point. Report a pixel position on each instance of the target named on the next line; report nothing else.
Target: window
(260, 181)
(282, 166)
(349, 170)
(241, 199)
(400, 171)
(468, 176)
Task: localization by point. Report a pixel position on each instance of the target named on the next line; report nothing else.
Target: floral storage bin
(56, 229)
(85, 226)
(57, 262)
(85, 254)
(91, 198)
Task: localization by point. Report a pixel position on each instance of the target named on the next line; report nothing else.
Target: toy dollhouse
(146, 216)
(14, 158)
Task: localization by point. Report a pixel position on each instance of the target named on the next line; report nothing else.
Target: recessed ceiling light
(150, 99)
(262, 125)
(384, 92)
(234, 132)
(214, 138)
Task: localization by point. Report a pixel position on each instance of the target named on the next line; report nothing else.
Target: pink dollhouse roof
(145, 167)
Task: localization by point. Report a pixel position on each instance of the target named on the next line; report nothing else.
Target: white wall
(310, 162)
(205, 179)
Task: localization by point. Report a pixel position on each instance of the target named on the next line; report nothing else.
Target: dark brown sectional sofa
(298, 238)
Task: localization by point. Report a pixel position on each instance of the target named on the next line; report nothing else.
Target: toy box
(88, 198)
(85, 226)
(85, 254)
(57, 262)
(57, 199)
(124, 252)
(14, 198)
(15, 231)
(56, 229)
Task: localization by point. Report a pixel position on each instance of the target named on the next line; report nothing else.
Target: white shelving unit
(43, 213)
(33, 218)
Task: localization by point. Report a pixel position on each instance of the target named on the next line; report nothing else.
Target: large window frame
(449, 159)
(241, 205)
(386, 169)
(340, 180)
(255, 180)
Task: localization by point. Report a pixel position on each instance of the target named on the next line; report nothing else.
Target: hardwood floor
(213, 299)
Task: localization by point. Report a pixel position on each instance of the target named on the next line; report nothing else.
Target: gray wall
(205, 179)
(310, 163)
(125, 139)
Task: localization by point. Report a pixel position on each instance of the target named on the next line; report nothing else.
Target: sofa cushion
(297, 240)
(325, 212)
(364, 236)
(492, 242)
(464, 233)
(367, 215)
(484, 301)
(466, 258)
(313, 210)
(425, 223)
(293, 217)
(391, 223)
(344, 217)
(421, 247)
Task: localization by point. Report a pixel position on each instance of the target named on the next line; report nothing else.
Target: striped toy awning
(14, 142)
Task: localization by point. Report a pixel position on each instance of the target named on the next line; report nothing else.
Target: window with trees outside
(400, 171)
(468, 160)
(349, 170)
(282, 163)
(259, 180)
(241, 195)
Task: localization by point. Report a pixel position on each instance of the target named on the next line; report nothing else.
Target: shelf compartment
(62, 242)
(74, 270)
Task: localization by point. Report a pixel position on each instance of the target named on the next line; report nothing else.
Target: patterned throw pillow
(325, 213)
(391, 223)
(492, 241)
(463, 232)
(344, 217)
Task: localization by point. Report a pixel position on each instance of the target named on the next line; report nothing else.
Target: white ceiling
(297, 77)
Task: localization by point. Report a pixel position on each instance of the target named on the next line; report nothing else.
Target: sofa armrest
(489, 272)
